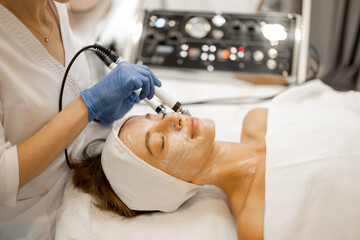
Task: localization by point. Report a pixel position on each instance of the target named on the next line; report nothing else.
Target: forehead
(133, 135)
(138, 123)
(142, 122)
(132, 131)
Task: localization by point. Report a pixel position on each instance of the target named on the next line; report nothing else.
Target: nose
(174, 120)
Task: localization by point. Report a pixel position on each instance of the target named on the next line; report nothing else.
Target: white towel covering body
(312, 180)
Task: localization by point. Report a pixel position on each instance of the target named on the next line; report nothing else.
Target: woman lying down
(294, 175)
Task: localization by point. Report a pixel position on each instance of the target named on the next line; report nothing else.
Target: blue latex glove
(117, 86)
(118, 110)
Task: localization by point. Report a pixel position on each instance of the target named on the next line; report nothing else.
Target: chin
(207, 128)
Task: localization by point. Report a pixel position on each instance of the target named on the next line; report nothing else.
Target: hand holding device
(117, 110)
(117, 86)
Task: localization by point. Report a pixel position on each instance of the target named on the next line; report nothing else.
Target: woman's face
(176, 144)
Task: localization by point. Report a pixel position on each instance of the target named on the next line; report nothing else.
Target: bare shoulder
(254, 125)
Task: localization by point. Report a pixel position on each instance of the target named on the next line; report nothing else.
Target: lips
(194, 125)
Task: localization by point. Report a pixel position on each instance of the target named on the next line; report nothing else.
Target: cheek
(178, 148)
(207, 136)
(184, 158)
(180, 145)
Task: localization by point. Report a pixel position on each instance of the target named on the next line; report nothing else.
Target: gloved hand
(117, 86)
(117, 110)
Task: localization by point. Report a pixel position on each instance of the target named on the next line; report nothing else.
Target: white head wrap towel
(139, 185)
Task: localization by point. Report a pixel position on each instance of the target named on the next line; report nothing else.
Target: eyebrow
(147, 137)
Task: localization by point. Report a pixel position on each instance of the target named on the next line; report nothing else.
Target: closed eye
(162, 143)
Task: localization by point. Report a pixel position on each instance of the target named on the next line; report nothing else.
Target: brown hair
(89, 176)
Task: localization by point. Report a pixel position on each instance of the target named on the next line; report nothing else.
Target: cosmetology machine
(266, 44)
(259, 44)
(230, 37)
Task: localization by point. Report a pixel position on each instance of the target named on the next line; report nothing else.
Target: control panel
(257, 43)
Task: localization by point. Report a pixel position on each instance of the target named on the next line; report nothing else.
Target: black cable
(67, 72)
(62, 91)
(231, 101)
(237, 100)
(103, 53)
(108, 52)
(103, 57)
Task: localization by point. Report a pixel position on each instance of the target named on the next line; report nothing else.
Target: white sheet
(205, 216)
(313, 165)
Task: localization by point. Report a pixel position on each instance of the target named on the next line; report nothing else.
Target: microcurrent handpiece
(111, 59)
(170, 101)
(162, 95)
(155, 105)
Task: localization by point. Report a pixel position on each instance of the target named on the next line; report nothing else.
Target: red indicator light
(226, 54)
(241, 49)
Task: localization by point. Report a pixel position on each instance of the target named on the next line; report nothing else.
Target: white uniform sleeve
(9, 168)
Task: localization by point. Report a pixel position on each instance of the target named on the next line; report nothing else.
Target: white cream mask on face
(139, 185)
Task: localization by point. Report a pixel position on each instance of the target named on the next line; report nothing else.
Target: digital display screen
(164, 50)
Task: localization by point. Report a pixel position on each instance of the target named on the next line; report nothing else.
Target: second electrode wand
(171, 102)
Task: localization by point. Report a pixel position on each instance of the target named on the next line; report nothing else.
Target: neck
(31, 11)
(231, 167)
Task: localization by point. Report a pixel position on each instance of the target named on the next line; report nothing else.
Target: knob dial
(271, 64)
(272, 53)
(258, 55)
(236, 25)
(197, 27)
(218, 20)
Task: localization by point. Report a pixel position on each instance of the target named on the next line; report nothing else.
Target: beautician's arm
(36, 153)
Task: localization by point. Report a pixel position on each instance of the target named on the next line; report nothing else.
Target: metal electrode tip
(164, 112)
(161, 109)
(185, 111)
